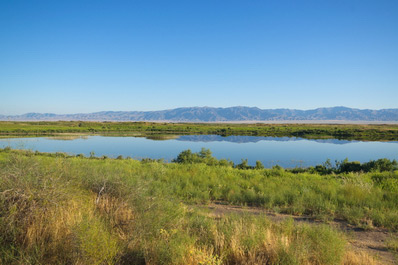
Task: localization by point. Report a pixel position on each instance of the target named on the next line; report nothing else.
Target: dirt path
(373, 242)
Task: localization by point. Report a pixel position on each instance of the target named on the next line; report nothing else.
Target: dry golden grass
(359, 258)
(118, 213)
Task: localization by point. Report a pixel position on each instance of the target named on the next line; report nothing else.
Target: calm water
(284, 151)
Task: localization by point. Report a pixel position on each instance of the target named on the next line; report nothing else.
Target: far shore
(346, 122)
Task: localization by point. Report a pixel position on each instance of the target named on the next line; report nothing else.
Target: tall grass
(60, 210)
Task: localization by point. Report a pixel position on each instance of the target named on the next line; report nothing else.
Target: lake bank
(337, 131)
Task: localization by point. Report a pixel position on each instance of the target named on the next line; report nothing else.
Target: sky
(86, 56)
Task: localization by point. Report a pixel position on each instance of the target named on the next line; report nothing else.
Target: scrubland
(60, 209)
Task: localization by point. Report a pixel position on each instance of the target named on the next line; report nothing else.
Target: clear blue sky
(86, 56)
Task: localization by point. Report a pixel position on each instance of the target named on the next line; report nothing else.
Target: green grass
(392, 244)
(358, 132)
(58, 209)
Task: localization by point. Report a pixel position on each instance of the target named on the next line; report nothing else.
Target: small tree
(347, 166)
(205, 153)
(185, 157)
(259, 165)
(243, 165)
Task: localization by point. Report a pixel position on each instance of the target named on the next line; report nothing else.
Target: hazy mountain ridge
(209, 114)
(253, 139)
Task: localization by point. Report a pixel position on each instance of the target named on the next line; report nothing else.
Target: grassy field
(358, 132)
(59, 209)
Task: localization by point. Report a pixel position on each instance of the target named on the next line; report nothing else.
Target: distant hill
(208, 114)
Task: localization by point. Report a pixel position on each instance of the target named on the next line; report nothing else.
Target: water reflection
(284, 151)
(253, 139)
(67, 137)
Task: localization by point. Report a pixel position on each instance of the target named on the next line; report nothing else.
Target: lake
(284, 151)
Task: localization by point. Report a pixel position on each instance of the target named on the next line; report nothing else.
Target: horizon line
(239, 106)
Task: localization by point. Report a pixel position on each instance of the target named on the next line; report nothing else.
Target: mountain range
(209, 114)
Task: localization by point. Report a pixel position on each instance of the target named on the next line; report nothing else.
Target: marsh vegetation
(357, 132)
